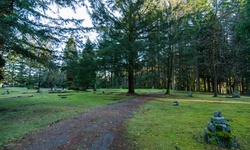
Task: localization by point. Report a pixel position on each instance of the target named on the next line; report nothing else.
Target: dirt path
(97, 129)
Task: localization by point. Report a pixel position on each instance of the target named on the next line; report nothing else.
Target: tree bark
(215, 85)
(131, 88)
(242, 86)
(170, 66)
(198, 85)
(247, 86)
(208, 85)
(205, 84)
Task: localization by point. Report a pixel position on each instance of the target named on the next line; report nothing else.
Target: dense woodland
(193, 45)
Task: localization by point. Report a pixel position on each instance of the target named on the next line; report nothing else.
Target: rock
(223, 127)
(218, 120)
(211, 127)
(218, 132)
(190, 94)
(236, 94)
(217, 114)
(175, 103)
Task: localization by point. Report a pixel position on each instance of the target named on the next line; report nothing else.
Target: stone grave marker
(218, 132)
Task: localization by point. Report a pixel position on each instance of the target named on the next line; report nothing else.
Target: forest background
(197, 45)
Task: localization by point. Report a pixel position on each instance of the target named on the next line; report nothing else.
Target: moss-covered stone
(219, 128)
(219, 133)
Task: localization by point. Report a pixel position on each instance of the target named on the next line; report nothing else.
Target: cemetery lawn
(160, 125)
(23, 111)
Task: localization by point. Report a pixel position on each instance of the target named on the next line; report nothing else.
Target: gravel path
(98, 129)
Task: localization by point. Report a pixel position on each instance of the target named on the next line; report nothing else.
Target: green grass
(20, 114)
(159, 125)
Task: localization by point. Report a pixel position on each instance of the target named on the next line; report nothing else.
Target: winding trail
(98, 129)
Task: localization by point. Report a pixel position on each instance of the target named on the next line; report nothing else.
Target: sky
(80, 13)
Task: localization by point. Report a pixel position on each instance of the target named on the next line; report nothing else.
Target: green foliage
(225, 137)
(70, 62)
(24, 29)
(30, 87)
(127, 30)
(214, 141)
(70, 50)
(87, 67)
(192, 45)
(242, 28)
(53, 76)
(219, 128)
(2, 63)
(222, 136)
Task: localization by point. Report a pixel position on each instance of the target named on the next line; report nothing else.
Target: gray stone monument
(175, 103)
(236, 94)
(218, 132)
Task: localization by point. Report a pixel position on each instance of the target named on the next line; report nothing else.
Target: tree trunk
(247, 86)
(111, 78)
(236, 83)
(215, 76)
(170, 66)
(164, 78)
(153, 74)
(231, 86)
(158, 83)
(131, 88)
(208, 85)
(215, 86)
(198, 85)
(242, 86)
(205, 85)
(227, 87)
(188, 83)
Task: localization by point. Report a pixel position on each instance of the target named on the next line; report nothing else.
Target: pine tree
(242, 40)
(126, 23)
(22, 26)
(86, 72)
(70, 61)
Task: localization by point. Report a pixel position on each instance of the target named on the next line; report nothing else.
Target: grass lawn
(160, 125)
(20, 113)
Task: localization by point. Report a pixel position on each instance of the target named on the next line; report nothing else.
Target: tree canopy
(198, 45)
(26, 28)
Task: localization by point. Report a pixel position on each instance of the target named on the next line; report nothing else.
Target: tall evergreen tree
(22, 26)
(86, 72)
(70, 61)
(110, 61)
(242, 41)
(126, 22)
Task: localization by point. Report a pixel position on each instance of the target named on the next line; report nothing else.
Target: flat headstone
(190, 94)
(175, 103)
(236, 94)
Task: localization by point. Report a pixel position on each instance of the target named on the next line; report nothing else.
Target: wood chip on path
(100, 128)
